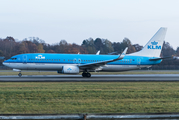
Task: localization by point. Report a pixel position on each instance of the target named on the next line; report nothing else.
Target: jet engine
(70, 70)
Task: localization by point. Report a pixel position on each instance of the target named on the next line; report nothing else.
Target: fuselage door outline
(24, 59)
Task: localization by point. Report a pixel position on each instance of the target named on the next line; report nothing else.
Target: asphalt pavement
(94, 78)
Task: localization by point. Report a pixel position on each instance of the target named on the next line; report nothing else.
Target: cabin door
(24, 59)
(138, 62)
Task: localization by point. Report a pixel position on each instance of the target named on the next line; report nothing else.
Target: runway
(94, 78)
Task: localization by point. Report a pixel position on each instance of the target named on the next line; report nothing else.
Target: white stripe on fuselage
(58, 67)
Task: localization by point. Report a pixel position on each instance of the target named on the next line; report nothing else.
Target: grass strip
(102, 97)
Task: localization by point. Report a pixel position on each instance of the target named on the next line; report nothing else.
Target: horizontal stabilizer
(155, 59)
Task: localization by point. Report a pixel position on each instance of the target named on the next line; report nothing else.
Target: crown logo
(69, 69)
(40, 57)
(154, 43)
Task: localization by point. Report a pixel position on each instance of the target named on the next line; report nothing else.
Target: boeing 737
(85, 63)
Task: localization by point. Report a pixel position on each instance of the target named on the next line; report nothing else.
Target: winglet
(123, 54)
(98, 52)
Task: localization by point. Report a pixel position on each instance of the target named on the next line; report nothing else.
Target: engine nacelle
(70, 69)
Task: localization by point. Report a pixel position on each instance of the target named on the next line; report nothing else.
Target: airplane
(86, 63)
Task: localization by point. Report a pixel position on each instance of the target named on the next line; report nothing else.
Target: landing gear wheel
(19, 74)
(88, 75)
(84, 74)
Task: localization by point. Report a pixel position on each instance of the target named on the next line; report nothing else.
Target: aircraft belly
(38, 66)
(121, 67)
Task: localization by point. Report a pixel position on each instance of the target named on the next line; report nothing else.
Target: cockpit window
(13, 58)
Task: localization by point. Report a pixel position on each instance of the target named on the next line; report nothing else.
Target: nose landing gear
(20, 74)
(88, 75)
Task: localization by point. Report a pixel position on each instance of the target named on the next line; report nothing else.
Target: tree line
(10, 47)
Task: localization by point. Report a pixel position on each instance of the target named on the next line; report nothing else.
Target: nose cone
(4, 63)
(7, 64)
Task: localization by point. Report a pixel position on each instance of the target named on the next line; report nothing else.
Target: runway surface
(94, 78)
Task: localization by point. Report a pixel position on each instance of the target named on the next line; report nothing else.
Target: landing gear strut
(88, 75)
(19, 74)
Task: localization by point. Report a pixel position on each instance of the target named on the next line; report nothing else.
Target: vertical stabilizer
(154, 46)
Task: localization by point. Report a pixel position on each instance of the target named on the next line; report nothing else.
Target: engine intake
(70, 70)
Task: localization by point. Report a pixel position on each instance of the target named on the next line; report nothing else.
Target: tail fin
(154, 46)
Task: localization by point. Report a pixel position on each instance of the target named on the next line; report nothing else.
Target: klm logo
(69, 69)
(154, 46)
(40, 57)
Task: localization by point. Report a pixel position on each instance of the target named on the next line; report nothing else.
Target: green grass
(88, 97)
(10, 72)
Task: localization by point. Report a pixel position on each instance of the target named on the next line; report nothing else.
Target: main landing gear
(20, 74)
(88, 75)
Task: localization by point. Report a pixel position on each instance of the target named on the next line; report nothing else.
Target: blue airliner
(85, 63)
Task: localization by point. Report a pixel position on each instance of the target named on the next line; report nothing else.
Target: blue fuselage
(45, 61)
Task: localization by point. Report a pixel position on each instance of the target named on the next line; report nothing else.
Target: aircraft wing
(95, 65)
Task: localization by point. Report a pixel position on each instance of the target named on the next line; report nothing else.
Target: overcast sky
(76, 20)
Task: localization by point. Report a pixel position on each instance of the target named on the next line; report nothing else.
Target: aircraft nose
(5, 64)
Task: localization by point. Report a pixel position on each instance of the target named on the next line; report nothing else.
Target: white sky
(76, 20)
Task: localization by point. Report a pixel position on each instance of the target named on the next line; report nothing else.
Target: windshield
(13, 58)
